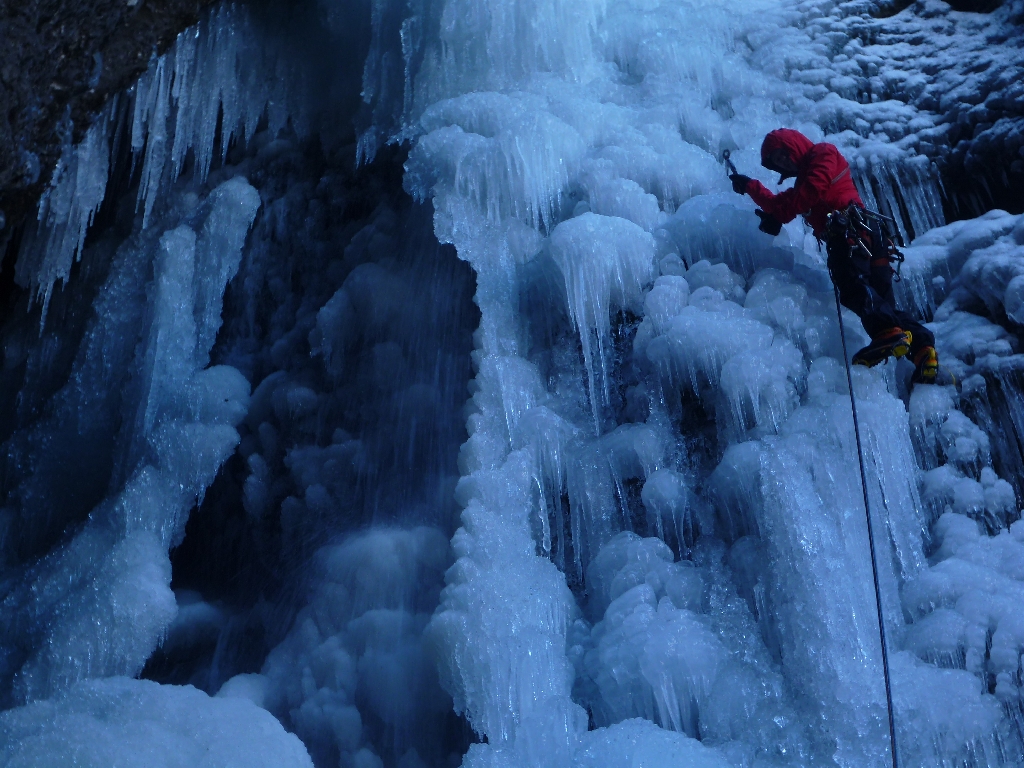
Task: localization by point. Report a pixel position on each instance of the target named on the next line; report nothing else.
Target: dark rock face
(59, 62)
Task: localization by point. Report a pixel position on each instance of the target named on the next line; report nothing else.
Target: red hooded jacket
(823, 181)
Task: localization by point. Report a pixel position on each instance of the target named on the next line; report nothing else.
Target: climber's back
(823, 180)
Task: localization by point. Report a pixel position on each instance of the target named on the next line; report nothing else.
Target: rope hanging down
(871, 539)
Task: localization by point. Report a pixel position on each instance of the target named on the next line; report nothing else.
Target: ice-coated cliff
(515, 445)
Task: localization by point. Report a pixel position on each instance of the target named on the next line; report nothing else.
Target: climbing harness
(871, 537)
(854, 223)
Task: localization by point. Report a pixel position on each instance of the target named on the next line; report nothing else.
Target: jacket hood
(794, 143)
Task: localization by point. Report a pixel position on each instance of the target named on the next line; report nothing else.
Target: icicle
(596, 476)
(606, 262)
(156, 138)
(1010, 431)
(66, 211)
(908, 190)
(184, 66)
(177, 108)
(548, 436)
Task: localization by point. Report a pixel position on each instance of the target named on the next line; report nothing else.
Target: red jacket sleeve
(807, 191)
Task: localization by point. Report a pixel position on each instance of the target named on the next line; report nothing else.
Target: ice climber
(825, 194)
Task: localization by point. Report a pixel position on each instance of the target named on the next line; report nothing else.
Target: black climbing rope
(871, 538)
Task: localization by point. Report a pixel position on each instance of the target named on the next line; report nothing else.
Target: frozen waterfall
(401, 385)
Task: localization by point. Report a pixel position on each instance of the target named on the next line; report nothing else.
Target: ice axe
(769, 224)
(729, 167)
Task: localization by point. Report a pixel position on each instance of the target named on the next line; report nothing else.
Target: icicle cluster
(215, 77)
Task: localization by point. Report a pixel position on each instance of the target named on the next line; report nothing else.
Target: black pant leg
(844, 276)
(856, 292)
(881, 281)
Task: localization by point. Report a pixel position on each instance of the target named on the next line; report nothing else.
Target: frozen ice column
(98, 605)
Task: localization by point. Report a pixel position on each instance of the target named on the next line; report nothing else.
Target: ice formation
(659, 553)
(160, 434)
(119, 721)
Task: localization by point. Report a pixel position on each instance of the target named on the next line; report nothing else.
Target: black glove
(739, 183)
(769, 224)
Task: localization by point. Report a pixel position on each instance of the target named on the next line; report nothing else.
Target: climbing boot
(926, 366)
(895, 342)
